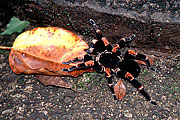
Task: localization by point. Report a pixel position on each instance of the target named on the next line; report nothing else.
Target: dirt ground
(23, 97)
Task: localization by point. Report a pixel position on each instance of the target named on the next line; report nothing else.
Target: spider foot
(67, 63)
(115, 98)
(154, 103)
(65, 70)
(116, 101)
(130, 39)
(89, 51)
(73, 61)
(151, 68)
(79, 66)
(69, 69)
(91, 21)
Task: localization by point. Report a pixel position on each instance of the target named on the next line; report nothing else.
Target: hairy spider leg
(129, 77)
(130, 54)
(80, 65)
(99, 45)
(96, 46)
(122, 43)
(111, 87)
(84, 58)
(110, 83)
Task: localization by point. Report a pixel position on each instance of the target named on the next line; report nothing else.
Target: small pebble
(7, 111)
(67, 99)
(128, 115)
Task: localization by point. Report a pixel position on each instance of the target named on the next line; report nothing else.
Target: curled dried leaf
(42, 51)
(120, 90)
(52, 80)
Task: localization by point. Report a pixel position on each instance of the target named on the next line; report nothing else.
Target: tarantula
(104, 58)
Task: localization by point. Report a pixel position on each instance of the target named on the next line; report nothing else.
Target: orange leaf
(52, 80)
(120, 90)
(42, 51)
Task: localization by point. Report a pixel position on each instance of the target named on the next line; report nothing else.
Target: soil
(24, 97)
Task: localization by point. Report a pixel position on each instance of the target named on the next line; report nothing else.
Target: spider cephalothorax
(102, 57)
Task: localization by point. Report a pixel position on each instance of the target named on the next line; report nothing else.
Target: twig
(5, 48)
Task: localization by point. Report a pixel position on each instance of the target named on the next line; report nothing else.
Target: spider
(104, 58)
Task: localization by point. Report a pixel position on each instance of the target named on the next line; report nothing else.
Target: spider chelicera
(104, 58)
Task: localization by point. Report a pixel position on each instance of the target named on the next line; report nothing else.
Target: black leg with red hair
(85, 58)
(110, 83)
(80, 65)
(123, 42)
(129, 77)
(132, 55)
(100, 45)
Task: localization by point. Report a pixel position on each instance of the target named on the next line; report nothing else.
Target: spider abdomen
(131, 66)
